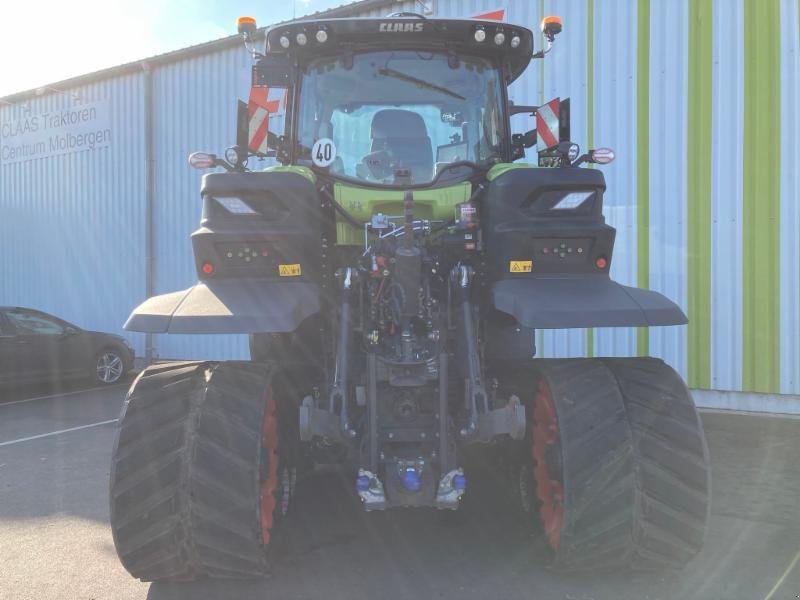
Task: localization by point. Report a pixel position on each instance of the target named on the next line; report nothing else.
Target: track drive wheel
(617, 465)
(198, 480)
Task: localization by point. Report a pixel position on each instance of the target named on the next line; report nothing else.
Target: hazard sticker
(520, 266)
(323, 152)
(289, 270)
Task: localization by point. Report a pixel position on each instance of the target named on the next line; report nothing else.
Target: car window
(30, 323)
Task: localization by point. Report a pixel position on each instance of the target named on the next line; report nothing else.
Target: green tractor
(391, 268)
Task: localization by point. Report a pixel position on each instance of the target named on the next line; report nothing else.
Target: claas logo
(400, 27)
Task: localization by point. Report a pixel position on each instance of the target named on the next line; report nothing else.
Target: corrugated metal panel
(726, 282)
(72, 226)
(790, 198)
(614, 123)
(667, 156)
(194, 109)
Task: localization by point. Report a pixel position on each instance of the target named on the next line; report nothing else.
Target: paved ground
(55, 540)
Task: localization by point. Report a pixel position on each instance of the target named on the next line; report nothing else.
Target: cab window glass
(400, 110)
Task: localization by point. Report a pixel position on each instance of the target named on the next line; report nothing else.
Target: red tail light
(601, 262)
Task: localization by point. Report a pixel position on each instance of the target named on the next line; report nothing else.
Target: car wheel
(109, 367)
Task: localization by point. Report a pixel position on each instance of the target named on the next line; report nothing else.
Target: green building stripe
(589, 343)
(698, 184)
(761, 197)
(643, 161)
(590, 117)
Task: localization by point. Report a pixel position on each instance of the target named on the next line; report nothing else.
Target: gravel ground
(55, 541)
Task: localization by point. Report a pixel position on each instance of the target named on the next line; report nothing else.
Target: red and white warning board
(547, 124)
(266, 112)
(498, 14)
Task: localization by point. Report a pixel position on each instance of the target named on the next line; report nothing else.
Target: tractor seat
(403, 136)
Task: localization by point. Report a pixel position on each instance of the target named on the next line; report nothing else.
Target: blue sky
(79, 36)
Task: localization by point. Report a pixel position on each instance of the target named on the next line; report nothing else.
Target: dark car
(35, 346)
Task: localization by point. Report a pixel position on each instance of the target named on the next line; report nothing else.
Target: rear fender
(587, 301)
(258, 255)
(549, 253)
(228, 306)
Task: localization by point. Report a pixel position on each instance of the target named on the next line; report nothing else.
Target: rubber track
(185, 472)
(597, 463)
(634, 464)
(673, 475)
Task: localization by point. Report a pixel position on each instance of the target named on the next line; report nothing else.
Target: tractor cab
(385, 103)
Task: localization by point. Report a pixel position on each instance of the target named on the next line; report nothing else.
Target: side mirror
(242, 124)
(529, 138)
(517, 147)
(520, 141)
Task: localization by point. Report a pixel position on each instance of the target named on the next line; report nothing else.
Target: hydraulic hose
(408, 211)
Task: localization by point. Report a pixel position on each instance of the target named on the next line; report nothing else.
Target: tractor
(391, 260)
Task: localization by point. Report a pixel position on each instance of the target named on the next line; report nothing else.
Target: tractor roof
(363, 34)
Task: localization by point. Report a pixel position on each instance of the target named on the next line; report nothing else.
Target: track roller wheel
(617, 464)
(198, 480)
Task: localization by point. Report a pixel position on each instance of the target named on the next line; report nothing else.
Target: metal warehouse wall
(72, 227)
(697, 97)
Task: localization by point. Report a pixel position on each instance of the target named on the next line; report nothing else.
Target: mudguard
(228, 306)
(549, 253)
(258, 254)
(586, 301)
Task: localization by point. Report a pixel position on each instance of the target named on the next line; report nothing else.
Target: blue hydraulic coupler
(459, 482)
(362, 483)
(411, 480)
